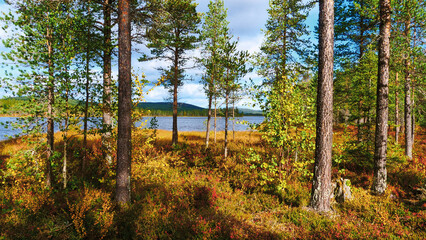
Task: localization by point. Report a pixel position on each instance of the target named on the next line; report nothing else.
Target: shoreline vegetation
(186, 191)
(339, 151)
(10, 107)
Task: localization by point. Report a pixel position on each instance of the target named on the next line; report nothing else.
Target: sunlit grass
(188, 192)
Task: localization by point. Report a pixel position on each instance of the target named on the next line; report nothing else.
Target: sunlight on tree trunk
(380, 150)
(107, 92)
(321, 186)
(124, 144)
(51, 102)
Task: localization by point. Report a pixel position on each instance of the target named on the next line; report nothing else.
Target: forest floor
(187, 192)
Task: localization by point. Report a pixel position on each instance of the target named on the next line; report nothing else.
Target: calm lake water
(165, 123)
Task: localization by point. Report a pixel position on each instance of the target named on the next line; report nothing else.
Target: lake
(164, 123)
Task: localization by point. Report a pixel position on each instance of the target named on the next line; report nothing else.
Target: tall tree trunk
(321, 186)
(413, 118)
(380, 149)
(124, 147)
(361, 32)
(175, 99)
(284, 51)
(226, 122)
(209, 116)
(233, 120)
(86, 106)
(408, 112)
(358, 135)
(368, 118)
(65, 136)
(407, 104)
(397, 123)
(50, 103)
(215, 119)
(107, 92)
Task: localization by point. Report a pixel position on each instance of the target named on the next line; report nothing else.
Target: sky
(246, 17)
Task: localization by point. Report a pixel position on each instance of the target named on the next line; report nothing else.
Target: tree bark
(215, 119)
(175, 99)
(321, 186)
(65, 137)
(397, 123)
(124, 147)
(86, 106)
(233, 120)
(226, 122)
(107, 92)
(381, 138)
(408, 112)
(413, 118)
(209, 116)
(408, 103)
(50, 103)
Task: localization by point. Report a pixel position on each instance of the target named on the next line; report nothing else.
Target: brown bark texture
(175, 97)
(226, 122)
(124, 147)
(321, 186)
(382, 109)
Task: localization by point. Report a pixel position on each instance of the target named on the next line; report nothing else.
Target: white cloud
(246, 17)
(251, 44)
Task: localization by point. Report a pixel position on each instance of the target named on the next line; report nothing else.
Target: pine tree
(215, 29)
(409, 18)
(174, 30)
(381, 136)
(124, 143)
(355, 34)
(45, 27)
(321, 186)
(284, 44)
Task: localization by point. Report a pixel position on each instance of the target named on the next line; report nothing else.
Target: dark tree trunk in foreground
(175, 98)
(107, 112)
(226, 122)
(124, 148)
(321, 186)
(50, 124)
(380, 149)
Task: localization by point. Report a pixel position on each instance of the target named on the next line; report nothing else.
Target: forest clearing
(339, 151)
(186, 192)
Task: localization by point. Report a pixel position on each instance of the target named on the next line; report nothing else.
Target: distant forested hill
(186, 109)
(11, 106)
(165, 109)
(167, 106)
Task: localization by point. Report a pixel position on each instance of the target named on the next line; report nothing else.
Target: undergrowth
(188, 192)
